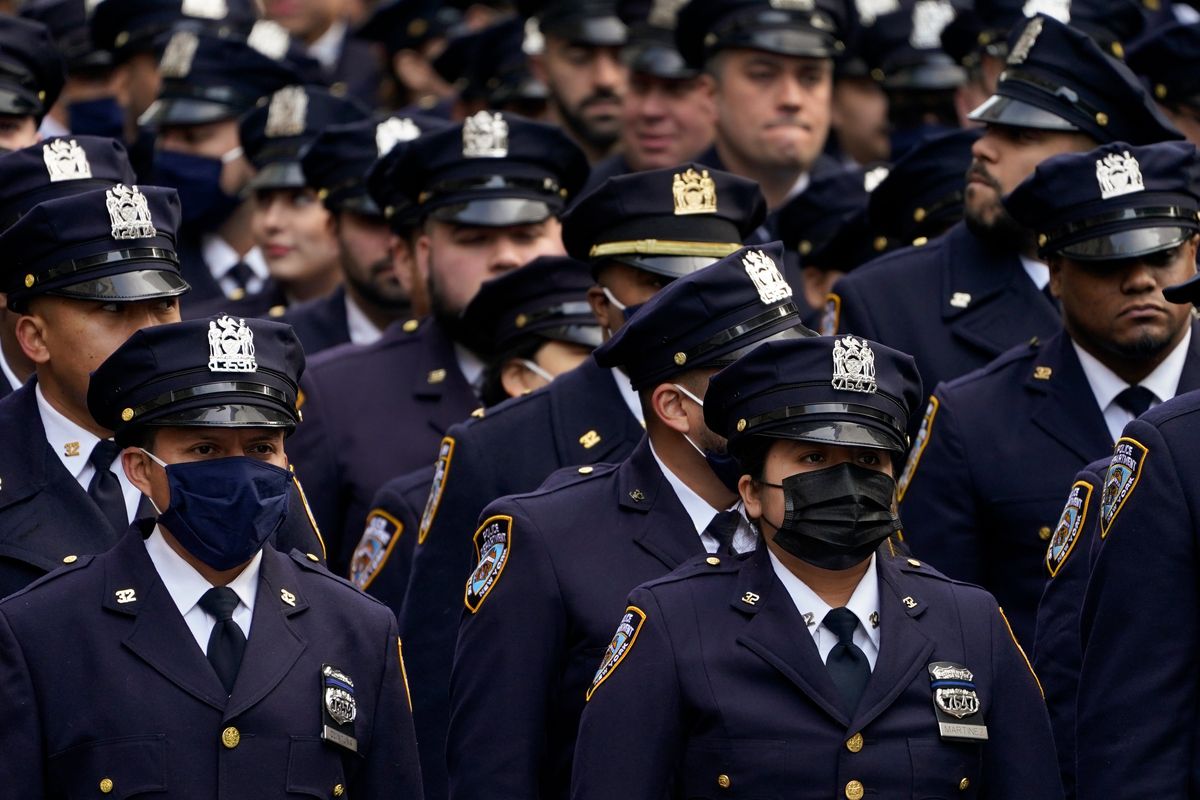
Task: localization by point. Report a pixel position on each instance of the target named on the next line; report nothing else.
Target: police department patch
(1120, 480)
(918, 448)
(378, 539)
(493, 543)
(619, 647)
(1066, 532)
(440, 470)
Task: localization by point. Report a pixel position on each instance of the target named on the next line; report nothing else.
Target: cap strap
(809, 409)
(1056, 89)
(494, 182)
(763, 320)
(222, 387)
(664, 247)
(1184, 215)
(111, 257)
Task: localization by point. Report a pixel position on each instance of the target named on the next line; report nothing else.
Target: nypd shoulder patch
(493, 543)
(1120, 480)
(918, 448)
(379, 537)
(619, 647)
(1070, 524)
(832, 315)
(440, 470)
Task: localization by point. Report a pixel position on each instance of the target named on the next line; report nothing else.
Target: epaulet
(698, 566)
(311, 563)
(508, 406)
(573, 476)
(77, 563)
(1013, 356)
(913, 566)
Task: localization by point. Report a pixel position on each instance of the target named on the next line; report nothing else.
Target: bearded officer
(825, 663)
(214, 666)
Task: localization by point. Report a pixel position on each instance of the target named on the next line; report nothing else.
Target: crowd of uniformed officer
(530, 399)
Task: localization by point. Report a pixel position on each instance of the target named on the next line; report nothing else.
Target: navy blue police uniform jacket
(987, 519)
(713, 688)
(270, 302)
(46, 516)
(1137, 730)
(6, 388)
(106, 691)
(371, 413)
(954, 304)
(1057, 653)
(580, 418)
(320, 323)
(573, 554)
(194, 269)
(382, 561)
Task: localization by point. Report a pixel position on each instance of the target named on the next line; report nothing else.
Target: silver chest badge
(205, 9)
(269, 38)
(485, 135)
(66, 161)
(129, 213)
(176, 61)
(339, 695)
(766, 277)
(393, 131)
(956, 703)
(287, 113)
(1024, 44)
(1118, 174)
(230, 345)
(929, 17)
(854, 366)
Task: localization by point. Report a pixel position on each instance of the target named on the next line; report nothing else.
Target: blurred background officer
(580, 64)
(977, 39)
(211, 661)
(952, 304)
(411, 34)
(207, 83)
(489, 193)
(582, 544)
(825, 639)
(667, 113)
(1117, 225)
(639, 232)
(769, 67)
(33, 76)
(1168, 61)
(490, 70)
(88, 268)
(374, 291)
(348, 64)
(858, 134)
(289, 224)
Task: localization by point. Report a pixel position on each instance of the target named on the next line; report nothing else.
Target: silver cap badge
(1020, 50)
(485, 135)
(854, 366)
(230, 345)
(392, 131)
(205, 9)
(694, 192)
(1058, 9)
(129, 213)
(177, 58)
(793, 5)
(873, 178)
(868, 10)
(663, 13)
(929, 17)
(269, 38)
(287, 113)
(766, 277)
(1118, 174)
(66, 161)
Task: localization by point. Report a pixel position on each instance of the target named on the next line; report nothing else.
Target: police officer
(1045, 409)
(490, 70)
(376, 291)
(639, 232)
(412, 33)
(1168, 60)
(952, 303)
(556, 564)
(348, 65)
(33, 76)
(211, 664)
(489, 193)
(825, 663)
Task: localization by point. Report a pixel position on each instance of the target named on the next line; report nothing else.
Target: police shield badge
(619, 647)
(379, 537)
(493, 543)
(956, 703)
(1120, 480)
(338, 708)
(1066, 532)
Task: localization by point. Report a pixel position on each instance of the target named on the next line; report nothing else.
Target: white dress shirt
(74, 444)
(1038, 272)
(362, 330)
(864, 603)
(701, 513)
(221, 258)
(1106, 384)
(327, 49)
(470, 365)
(186, 586)
(13, 380)
(632, 401)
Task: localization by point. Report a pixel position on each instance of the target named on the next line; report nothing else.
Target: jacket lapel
(1067, 411)
(438, 381)
(591, 421)
(1189, 379)
(663, 527)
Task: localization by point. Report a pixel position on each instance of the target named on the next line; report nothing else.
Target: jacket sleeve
(382, 560)
(506, 669)
(23, 763)
(311, 450)
(392, 770)
(632, 733)
(853, 314)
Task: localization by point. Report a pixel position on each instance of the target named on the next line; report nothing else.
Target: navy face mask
(102, 117)
(203, 204)
(223, 510)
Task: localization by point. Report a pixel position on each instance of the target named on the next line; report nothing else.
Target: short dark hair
(137, 436)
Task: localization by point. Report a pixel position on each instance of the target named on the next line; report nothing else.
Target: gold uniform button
(854, 790)
(237, 294)
(339, 790)
(1044, 533)
(70, 559)
(106, 785)
(312, 557)
(712, 560)
(912, 562)
(585, 470)
(964, 784)
(231, 737)
(276, 311)
(723, 781)
(410, 326)
(855, 743)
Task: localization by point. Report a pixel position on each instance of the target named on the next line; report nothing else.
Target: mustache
(978, 171)
(601, 96)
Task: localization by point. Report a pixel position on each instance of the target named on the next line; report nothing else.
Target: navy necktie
(847, 664)
(722, 528)
(241, 275)
(105, 489)
(1135, 399)
(226, 643)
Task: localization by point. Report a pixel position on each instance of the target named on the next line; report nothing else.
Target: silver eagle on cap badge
(66, 161)
(485, 135)
(129, 213)
(1118, 174)
(767, 279)
(854, 366)
(230, 345)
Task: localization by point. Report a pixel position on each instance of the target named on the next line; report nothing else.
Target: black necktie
(105, 489)
(226, 643)
(847, 665)
(1135, 399)
(1050, 295)
(722, 528)
(241, 274)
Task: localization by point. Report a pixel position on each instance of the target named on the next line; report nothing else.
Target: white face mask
(232, 155)
(536, 370)
(698, 402)
(617, 304)
(162, 464)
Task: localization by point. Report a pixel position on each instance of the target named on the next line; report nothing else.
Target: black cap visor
(278, 175)
(1002, 110)
(1186, 292)
(840, 432)
(186, 111)
(126, 287)
(581, 334)
(499, 212)
(658, 61)
(1126, 244)
(778, 37)
(933, 76)
(19, 102)
(594, 31)
(667, 266)
(234, 415)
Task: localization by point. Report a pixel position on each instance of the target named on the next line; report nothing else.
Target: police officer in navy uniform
(825, 663)
(34, 74)
(570, 552)
(952, 303)
(1045, 409)
(1168, 60)
(488, 193)
(639, 232)
(211, 664)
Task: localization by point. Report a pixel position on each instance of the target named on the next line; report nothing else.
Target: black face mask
(835, 518)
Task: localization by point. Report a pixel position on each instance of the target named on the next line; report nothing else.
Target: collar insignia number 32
(485, 135)
(1118, 174)
(66, 161)
(129, 213)
(338, 708)
(694, 193)
(956, 703)
(767, 280)
(230, 346)
(853, 366)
